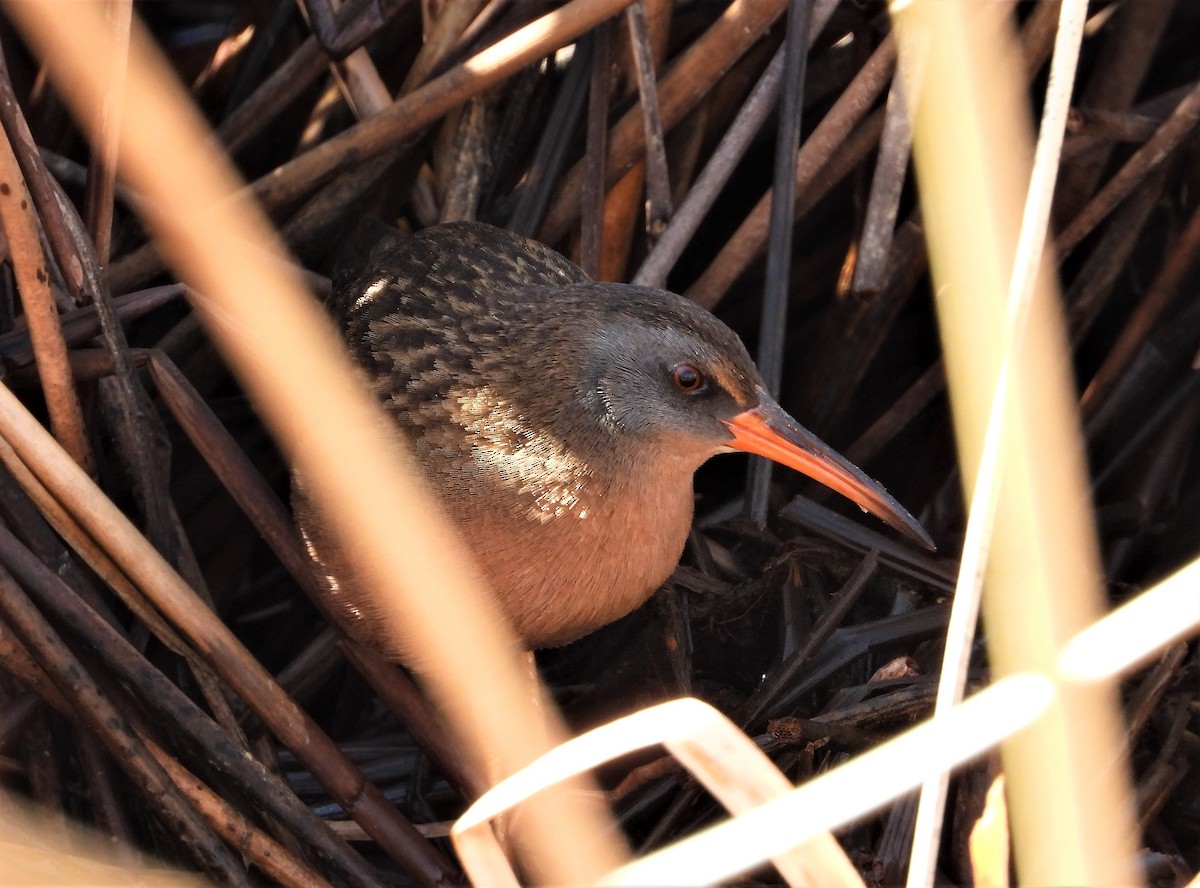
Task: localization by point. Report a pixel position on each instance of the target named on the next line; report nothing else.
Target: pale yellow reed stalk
(1070, 804)
(1035, 220)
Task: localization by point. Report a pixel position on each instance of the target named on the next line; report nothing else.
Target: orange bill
(768, 431)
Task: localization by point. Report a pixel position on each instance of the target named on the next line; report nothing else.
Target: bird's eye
(687, 378)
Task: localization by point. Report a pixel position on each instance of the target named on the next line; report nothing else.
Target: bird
(559, 419)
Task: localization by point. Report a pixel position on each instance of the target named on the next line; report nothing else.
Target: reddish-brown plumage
(560, 420)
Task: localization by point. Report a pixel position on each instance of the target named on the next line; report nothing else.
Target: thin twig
(1159, 298)
(1176, 128)
(887, 185)
(45, 331)
(776, 287)
(691, 76)
(591, 246)
(658, 184)
(750, 118)
(782, 677)
(824, 142)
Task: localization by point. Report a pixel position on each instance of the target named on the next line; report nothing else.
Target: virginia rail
(560, 419)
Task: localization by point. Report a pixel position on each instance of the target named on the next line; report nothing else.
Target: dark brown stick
(716, 173)
(183, 718)
(691, 77)
(213, 638)
(263, 851)
(1089, 292)
(82, 324)
(74, 683)
(1158, 300)
(52, 206)
(776, 289)
(1135, 170)
(751, 236)
(658, 185)
(45, 331)
(591, 246)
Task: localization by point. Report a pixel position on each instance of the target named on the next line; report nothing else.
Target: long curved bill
(768, 431)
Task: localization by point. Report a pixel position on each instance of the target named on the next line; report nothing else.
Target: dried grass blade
(846, 793)
(704, 741)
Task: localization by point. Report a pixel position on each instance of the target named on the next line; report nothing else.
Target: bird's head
(656, 369)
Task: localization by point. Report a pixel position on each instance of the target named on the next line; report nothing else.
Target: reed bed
(960, 239)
